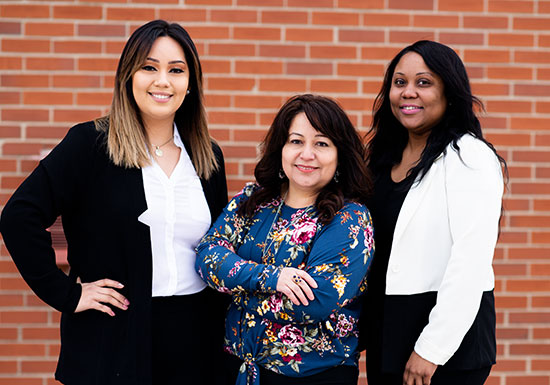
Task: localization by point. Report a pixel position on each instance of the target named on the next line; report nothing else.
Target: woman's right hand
(96, 295)
(296, 284)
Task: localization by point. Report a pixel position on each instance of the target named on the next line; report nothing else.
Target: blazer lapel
(414, 198)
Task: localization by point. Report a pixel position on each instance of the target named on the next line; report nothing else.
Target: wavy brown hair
(327, 117)
(126, 137)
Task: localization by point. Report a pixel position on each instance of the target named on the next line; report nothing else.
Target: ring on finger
(297, 279)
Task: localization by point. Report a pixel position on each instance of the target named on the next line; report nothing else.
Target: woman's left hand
(296, 284)
(418, 371)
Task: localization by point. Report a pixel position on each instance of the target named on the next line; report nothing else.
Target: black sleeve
(52, 189)
(220, 183)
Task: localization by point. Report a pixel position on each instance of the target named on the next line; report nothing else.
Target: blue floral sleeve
(219, 265)
(338, 261)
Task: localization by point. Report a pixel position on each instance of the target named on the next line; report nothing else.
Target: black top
(99, 204)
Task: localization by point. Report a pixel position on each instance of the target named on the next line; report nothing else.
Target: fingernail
(120, 284)
(126, 302)
(125, 307)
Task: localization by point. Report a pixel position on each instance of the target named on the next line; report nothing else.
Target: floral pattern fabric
(244, 256)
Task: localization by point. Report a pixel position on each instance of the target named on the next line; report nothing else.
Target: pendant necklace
(266, 247)
(158, 151)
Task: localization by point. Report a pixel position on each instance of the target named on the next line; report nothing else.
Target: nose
(409, 91)
(161, 80)
(307, 152)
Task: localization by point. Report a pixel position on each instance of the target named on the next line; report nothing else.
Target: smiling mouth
(161, 97)
(411, 108)
(306, 168)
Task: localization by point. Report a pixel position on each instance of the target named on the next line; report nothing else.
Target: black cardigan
(99, 204)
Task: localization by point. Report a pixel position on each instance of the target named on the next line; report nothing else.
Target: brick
(408, 37)
(511, 39)
(379, 53)
(231, 49)
(46, 132)
(360, 69)
(508, 106)
(231, 118)
(309, 34)
(114, 47)
(333, 86)
(75, 46)
(208, 2)
(510, 72)
(530, 123)
(10, 28)
(97, 64)
(529, 253)
(50, 64)
(75, 116)
(486, 56)
(101, 30)
(283, 84)
(532, 57)
(258, 67)
(543, 108)
(462, 6)
(212, 100)
(255, 136)
(236, 151)
(509, 366)
(412, 5)
(94, 98)
(262, 3)
(544, 40)
(7, 165)
(11, 300)
(220, 135)
(531, 90)
(78, 12)
(528, 317)
(511, 6)
(72, 81)
(529, 349)
(485, 22)
(493, 89)
(21, 381)
(215, 66)
(25, 11)
(334, 18)
(244, 84)
(543, 172)
(10, 63)
(25, 45)
(25, 114)
(454, 38)
(258, 101)
(8, 367)
(49, 29)
(362, 4)
(285, 17)
(182, 15)
(234, 16)
(10, 98)
(435, 21)
(540, 365)
(543, 73)
(309, 68)
(542, 205)
(23, 317)
(208, 32)
(333, 52)
(281, 50)
(511, 302)
(28, 366)
(530, 188)
(361, 36)
(532, 23)
(507, 139)
(508, 269)
(134, 14)
(48, 98)
(540, 269)
(256, 33)
(307, 3)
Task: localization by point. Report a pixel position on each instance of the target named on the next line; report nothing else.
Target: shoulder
(352, 213)
(218, 153)
(84, 134)
(471, 151)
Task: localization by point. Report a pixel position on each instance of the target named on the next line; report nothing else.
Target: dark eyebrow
(418, 73)
(170, 62)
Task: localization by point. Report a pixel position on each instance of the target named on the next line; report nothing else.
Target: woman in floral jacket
(293, 251)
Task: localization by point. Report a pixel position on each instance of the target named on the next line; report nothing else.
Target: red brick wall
(57, 61)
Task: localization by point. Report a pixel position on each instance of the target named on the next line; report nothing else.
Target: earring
(188, 92)
(281, 174)
(336, 175)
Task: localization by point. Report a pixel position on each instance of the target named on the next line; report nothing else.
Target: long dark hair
(326, 116)
(389, 137)
(126, 133)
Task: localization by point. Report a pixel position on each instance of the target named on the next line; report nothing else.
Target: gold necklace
(275, 220)
(158, 151)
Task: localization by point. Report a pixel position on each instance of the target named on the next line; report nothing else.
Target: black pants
(441, 377)
(339, 375)
(187, 338)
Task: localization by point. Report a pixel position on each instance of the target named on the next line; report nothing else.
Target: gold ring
(297, 280)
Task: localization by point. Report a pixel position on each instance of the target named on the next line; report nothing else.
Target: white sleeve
(474, 187)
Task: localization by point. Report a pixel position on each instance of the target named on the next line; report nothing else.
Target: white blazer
(444, 241)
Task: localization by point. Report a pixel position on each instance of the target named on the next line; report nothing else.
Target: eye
(322, 144)
(295, 141)
(148, 67)
(424, 82)
(399, 82)
(177, 71)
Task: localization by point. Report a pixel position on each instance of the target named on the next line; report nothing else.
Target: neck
(299, 199)
(159, 133)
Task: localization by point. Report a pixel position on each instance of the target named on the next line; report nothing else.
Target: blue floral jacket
(244, 256)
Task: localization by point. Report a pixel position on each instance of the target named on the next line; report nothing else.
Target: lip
(410, 109)
(161, 97)
(305, 168)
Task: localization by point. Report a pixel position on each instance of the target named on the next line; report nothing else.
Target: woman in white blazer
(429, 316)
